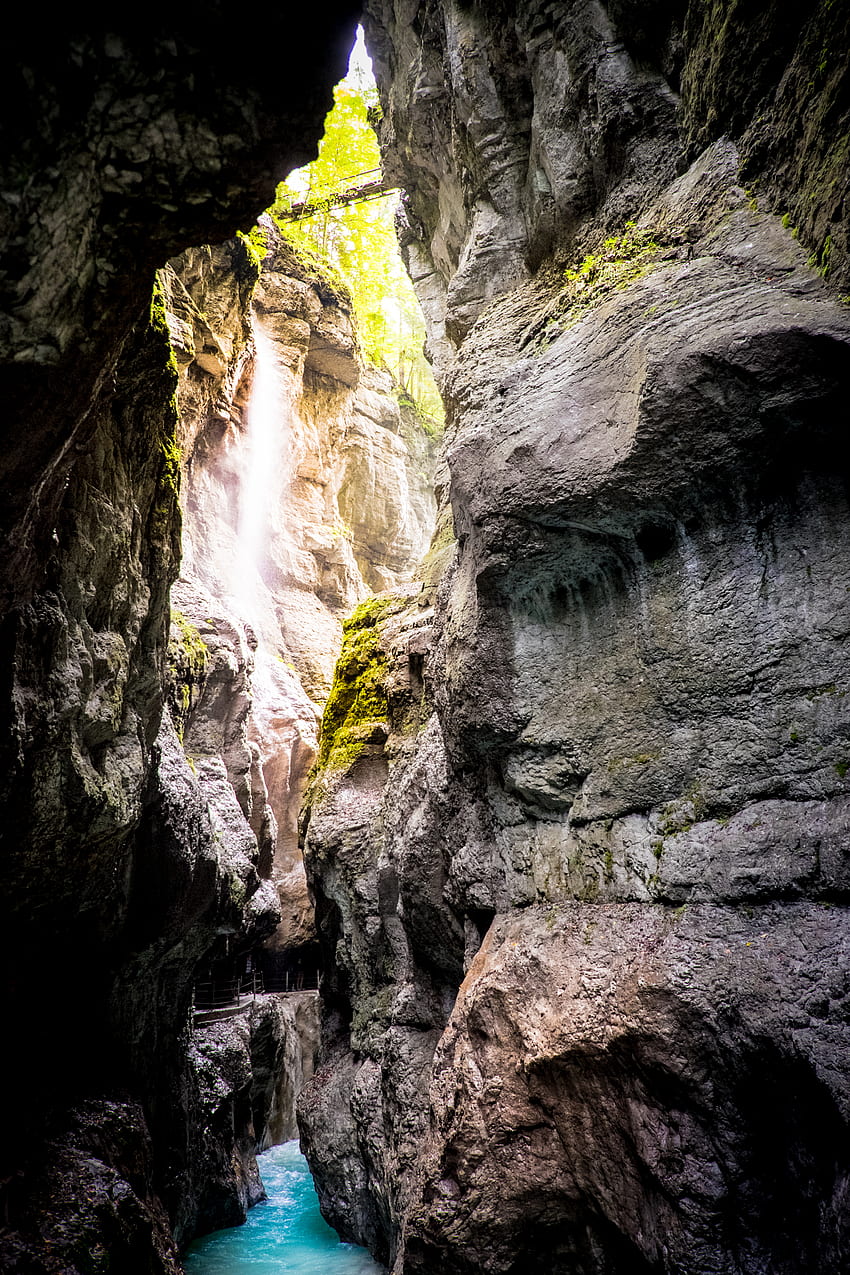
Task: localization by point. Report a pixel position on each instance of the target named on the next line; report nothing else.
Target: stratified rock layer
(582, 878)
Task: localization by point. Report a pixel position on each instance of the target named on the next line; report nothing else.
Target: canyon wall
(577, 848)
(579, 841)
(306, 485)
(122, 145)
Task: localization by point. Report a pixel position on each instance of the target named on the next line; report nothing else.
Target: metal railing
(221, 993)
(228, 993)
(293, 981)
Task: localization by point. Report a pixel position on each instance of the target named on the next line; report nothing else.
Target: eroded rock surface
(581, 871)
(306, 486)
(246, 1072)
(121, 146)
(655, 1089)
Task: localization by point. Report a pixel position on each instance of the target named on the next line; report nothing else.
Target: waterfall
(260, 480)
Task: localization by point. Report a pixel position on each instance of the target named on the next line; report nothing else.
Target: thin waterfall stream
(285, 1233)
(261, 479)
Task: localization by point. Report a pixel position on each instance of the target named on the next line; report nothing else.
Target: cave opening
(629, 236)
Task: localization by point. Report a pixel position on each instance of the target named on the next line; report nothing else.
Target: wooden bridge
(357, 189)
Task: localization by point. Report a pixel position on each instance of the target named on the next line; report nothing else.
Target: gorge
(572, 859)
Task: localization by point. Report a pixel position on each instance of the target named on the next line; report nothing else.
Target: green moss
(681, 815)
(616, 764)
(192, 643)
(255, 246)
(372, 1013)
(317, 270)
(187, 658)
(440, 551)
(841, 768)
(159, 323)
(825, 255)
(164, 514)
(358, 699)
(619, 261)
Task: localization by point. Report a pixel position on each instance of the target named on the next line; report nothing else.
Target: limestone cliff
(629, 226)
(581, 866)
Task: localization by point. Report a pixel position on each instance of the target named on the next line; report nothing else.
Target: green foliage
(358, 699)
(620, 260)
(359, 238)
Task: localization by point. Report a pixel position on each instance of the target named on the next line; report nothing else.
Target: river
(285, 1235)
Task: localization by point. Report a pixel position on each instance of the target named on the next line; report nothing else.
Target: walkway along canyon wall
(579, 846)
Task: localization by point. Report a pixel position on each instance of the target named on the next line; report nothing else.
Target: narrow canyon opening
(467, 800)
(309, 428)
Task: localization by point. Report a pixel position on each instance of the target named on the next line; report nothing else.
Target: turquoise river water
(285, 1235)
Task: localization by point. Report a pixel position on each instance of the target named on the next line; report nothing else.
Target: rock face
(579, 854)
(246, 1072)
(629, 698)
(306, 486)
(121, 146)
(346, 481)
(283, 432)
(284, 1041)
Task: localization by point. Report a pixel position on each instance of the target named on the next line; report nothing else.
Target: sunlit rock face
(628, 789)
(305, 486)
(122, 145)
(285, 433)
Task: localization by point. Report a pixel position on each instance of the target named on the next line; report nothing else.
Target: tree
(359, 237)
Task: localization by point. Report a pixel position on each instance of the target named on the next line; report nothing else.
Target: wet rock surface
(602, 805)
(246, 1073)
(629, 697)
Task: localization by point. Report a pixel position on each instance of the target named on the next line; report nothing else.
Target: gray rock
(624, 780)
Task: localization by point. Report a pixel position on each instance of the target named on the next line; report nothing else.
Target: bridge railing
(357, 189)
(293, 981)
(220, 993)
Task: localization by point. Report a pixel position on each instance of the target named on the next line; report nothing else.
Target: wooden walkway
(368, 185)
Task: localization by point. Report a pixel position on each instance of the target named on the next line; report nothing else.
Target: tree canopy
(359, 237)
